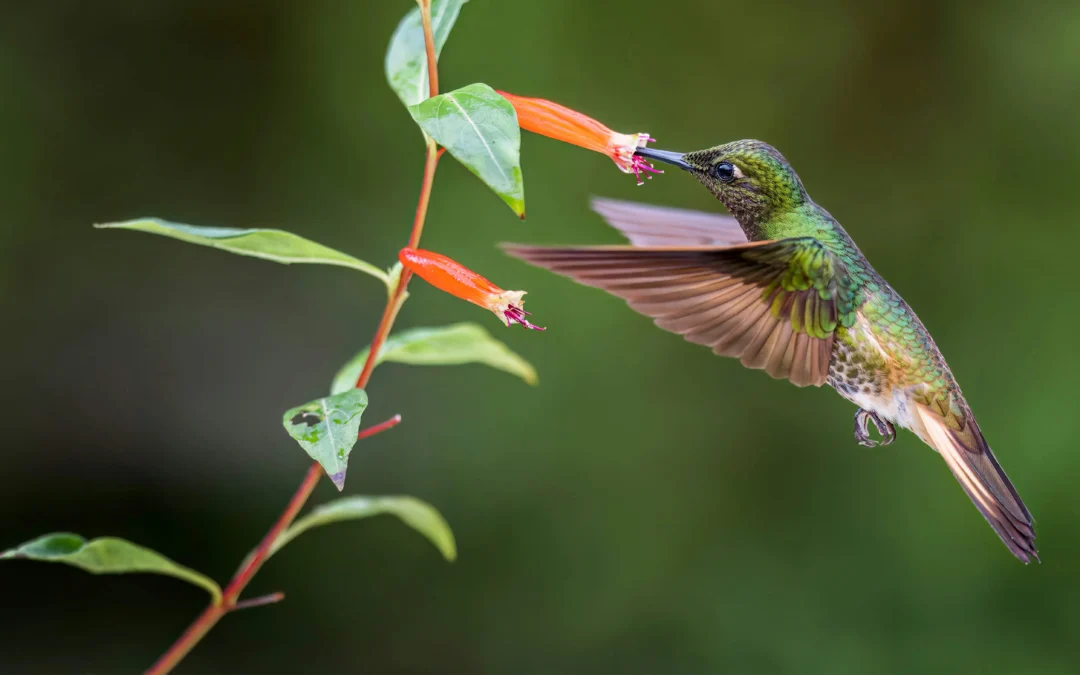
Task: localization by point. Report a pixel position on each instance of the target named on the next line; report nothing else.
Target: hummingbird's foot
(862, 429)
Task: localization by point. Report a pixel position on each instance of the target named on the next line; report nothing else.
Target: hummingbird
(781, 286)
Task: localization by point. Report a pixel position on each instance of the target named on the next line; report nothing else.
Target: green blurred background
(649, 507)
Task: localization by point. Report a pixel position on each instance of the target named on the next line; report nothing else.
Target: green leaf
(419, 515)
(406, 58)
(443, 346)
(480, 129)
(277, 245)
(107, 555)
(326, 429)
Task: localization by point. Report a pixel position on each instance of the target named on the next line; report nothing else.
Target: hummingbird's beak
(665, 156)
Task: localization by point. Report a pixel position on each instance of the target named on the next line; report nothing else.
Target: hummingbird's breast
(887, 358)
(861, 371)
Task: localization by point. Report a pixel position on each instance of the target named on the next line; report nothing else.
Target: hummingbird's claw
(862, 429)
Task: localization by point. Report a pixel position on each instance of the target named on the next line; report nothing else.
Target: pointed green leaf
(406, 58)
(277, 245)
(419, 515)
(326, 429)
(107, 555)
(480, 129)
(443, 346)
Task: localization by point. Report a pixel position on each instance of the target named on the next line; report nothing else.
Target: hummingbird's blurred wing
(646, 225)
(773, 304)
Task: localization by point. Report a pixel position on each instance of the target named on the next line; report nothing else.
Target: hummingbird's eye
(724, 172)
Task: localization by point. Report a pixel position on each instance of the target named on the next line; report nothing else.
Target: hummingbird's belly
(859, 371)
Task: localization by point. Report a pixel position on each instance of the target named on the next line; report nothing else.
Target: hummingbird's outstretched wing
(956, 436)
(773, 304)
(647, 225)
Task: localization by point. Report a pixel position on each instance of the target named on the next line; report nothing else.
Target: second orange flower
(460, 281)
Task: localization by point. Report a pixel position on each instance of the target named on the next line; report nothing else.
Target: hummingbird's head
(751, 178)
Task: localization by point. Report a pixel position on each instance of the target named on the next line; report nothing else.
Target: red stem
(379, 428)
(430, 162)
(429, 44)
(213, 613)
(392, 307)
(385, 323)
(259, 601)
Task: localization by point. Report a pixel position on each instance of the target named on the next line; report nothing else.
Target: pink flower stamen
(515, 314)
(638, 165)
(625, 147)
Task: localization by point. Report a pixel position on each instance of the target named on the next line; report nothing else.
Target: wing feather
(774, 304)
(646, 225)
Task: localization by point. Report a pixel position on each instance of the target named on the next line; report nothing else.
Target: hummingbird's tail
(974, 465)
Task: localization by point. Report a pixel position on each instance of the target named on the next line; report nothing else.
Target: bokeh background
(648, 507)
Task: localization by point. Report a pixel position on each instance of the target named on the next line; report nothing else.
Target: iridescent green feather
(808, 265)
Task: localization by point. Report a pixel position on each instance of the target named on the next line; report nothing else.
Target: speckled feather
(825, 314)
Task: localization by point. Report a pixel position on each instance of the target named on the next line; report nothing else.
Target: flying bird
(782, 287)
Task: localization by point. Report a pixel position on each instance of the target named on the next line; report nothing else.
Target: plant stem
(429, 45)
(213, 613)
(259, 601)
(430, 162)
(385, 324)
(379, 428)
(392, 307)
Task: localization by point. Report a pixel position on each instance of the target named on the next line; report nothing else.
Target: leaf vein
(483, 141)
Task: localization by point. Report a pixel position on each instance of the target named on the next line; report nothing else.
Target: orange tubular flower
(563, 124)
(458, 280)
